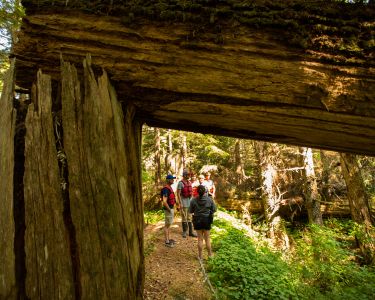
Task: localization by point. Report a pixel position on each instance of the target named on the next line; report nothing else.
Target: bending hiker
(184, 195)
(203, 209)
(210, 185)
(169, 201)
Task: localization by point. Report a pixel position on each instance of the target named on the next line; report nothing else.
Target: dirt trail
(172, 273)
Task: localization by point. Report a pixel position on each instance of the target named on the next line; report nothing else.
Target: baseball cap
(170, 176)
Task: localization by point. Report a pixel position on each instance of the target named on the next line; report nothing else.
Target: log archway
(207, 67)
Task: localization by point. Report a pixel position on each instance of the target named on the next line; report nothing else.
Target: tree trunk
(168, 155)
(358, 200)
(103, 156)
(8, 288)
(358, 203)
(84, 232)
(157, 157)
(325, 176)
(240, 172)
(48, 262)
(312, 196)
(183, 150)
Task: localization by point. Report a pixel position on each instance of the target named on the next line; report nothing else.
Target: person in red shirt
(194, 185)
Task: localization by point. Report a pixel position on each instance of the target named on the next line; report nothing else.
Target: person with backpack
(184, 195)
(169, 201)
(203, 209)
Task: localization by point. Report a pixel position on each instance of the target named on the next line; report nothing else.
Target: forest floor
(173, 273)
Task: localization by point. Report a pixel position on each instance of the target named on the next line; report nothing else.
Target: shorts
(202, 223)
(169, 215)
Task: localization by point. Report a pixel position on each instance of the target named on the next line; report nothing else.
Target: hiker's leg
(166, 232)
(184, 211)
(208, 242)
(200, 243)
(191, 231)
(168, 222)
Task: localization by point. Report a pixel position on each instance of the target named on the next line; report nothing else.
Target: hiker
(201, 181)
(194, 184)
(203, 209)
(169, 201)
(184, 195)
(208, 182)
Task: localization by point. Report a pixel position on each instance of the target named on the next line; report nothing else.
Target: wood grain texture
(249, 86)
(48, 261)
(7, 230)
(103, 154)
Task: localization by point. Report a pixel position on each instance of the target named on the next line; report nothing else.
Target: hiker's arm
(178, 195)
(213, 207)
(213, 190)
(165, 203)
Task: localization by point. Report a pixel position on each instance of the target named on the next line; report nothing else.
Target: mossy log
(222, 74)
(290, 208)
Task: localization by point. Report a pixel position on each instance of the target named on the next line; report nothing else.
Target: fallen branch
(206, 278)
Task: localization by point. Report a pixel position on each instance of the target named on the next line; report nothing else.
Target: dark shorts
(202, 223)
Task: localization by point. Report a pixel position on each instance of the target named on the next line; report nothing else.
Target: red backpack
(186, 190)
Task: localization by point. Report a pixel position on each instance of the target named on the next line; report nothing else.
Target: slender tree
(311, 193)
(239, 166)
(357, 196)
(157, 157)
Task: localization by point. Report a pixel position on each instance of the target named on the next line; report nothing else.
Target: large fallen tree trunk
(283, 71)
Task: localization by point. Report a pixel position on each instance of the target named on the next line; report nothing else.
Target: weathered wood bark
(312, 196)
(228, 78)
(8, 289)
(358, 199)
(48, 261)
(103, 155)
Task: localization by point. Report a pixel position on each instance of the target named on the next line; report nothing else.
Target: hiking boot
(169, 244)
(172, 241)
(191, 232)
(184, 229)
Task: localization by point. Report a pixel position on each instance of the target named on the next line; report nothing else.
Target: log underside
(249, 85)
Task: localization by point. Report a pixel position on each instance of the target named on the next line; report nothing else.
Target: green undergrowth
(321, 264)
(153, 216)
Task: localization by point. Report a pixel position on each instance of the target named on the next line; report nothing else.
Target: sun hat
(170, 176)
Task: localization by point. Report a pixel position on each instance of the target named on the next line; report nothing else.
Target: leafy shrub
(154, 216)
(240, 270)
(326, 268)
(322, 265)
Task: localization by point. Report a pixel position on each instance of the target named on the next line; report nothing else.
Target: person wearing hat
(169, 201)
(184, 195)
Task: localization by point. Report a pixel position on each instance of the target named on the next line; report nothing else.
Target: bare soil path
(172, 273)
